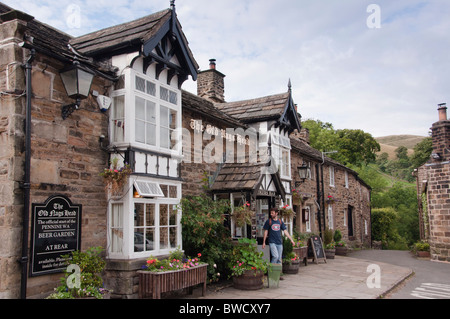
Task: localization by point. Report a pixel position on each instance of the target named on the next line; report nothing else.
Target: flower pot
(302, 253)
(329, 253)
(249, 280)
(341, 251)
(291, 268)
(423, 254)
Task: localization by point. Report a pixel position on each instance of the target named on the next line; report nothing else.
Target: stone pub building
(54, 143)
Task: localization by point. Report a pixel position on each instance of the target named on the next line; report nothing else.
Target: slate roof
(137, 32)
(256, 110)
(207, 109)
(130, 34)
(238, 176)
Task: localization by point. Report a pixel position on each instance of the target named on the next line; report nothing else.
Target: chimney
(440, 133)
(210, 84)
(442, 112)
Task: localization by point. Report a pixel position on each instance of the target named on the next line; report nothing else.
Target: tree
(422, 152)
(353, 146)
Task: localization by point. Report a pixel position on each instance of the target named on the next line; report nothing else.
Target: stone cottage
(433, 193)
(134, 113)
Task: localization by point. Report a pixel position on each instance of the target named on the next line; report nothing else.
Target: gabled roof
(141, 35)
(244, 177)
(125, 34)
(278, 107)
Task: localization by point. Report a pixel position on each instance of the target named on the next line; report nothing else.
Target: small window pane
(173, 237)
(140, 131)
(151, 134)
(163, 215)
(164, 120)
(140, 84)
(151, 88)
(151, 109)
(140, 108)
(173, 97)
(150, 215)
(164, 94)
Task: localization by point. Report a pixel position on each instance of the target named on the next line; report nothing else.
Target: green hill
(389, 144)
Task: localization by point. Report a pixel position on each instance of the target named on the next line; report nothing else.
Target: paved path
(431, 279)
(339, 278)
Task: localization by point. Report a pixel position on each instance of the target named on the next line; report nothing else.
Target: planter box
(153, 284)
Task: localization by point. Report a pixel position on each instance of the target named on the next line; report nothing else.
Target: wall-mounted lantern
(77, 81)
(303, 172)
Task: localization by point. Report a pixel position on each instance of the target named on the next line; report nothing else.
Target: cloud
(383, 81)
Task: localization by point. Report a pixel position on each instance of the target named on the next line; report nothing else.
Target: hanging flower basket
(287, 212)
(330, 199)
(115, 178)
(297, 197)
(243, 215)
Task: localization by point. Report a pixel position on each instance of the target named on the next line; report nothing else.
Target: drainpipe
(319, 198)
(26, 182)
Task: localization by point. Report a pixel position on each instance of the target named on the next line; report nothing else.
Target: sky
(381, 66)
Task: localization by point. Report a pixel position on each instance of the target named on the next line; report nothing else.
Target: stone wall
(12, 114)
(357, 195)
(66, 156)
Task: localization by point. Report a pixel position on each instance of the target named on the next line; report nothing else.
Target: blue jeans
(277, 252)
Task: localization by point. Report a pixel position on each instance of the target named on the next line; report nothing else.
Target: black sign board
(56, 231)
(316, 247)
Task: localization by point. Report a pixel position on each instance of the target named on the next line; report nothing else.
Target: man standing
(273, 228)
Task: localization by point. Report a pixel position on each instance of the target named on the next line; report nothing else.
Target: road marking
(432, 291)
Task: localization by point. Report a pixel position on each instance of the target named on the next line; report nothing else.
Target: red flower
(199, 255)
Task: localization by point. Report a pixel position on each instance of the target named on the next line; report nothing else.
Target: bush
(203, 231)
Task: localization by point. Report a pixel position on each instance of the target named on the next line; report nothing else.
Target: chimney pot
(212, 64)
(442, 112)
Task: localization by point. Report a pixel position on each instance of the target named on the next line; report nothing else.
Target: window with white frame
(308, 218)
(288, 221)
(151, 113)
(345, 217)
(330, 217)
(146, 112)
(117, 119)
(156, 222)
(346, 179)
(116, 228)
(331, 170)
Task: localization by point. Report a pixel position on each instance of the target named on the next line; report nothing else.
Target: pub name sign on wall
(56, 231)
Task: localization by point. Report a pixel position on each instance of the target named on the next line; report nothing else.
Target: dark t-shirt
(275, 231)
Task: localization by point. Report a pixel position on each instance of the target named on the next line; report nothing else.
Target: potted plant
(330, 199)
(287, 212)
(297, 197)
(422, 249)
(243, 215)
(174, 273)
(329, 245)
(247, 265)
(116, 177)
(87, 283)
(291, 261)
(301, 250)
(340, 245)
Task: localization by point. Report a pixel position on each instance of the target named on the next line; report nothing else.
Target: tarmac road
(431, 279)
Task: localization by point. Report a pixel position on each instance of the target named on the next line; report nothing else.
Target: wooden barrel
(249, 280)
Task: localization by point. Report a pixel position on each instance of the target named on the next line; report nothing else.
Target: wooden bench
(153, 284)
